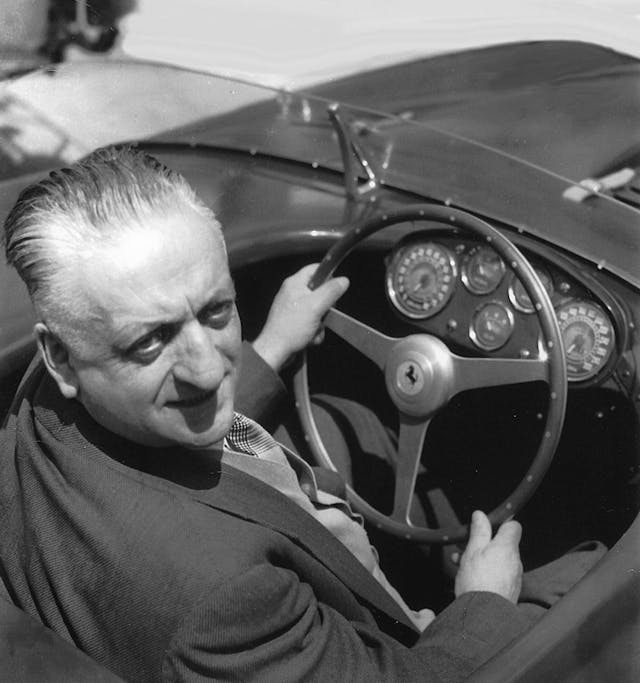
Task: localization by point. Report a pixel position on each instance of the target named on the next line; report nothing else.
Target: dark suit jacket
(168, 565)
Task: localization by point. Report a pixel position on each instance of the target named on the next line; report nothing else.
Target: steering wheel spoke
(474, 373)
(369, 342)
(410, 442)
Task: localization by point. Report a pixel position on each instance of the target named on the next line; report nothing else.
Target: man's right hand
(491, 564)
(295, 317)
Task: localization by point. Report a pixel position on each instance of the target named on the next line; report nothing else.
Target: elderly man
(167, 535)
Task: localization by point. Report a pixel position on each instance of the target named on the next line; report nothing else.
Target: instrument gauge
(519, 297)
(482, 270)
(491, 326)
(587, 336)
(421, 279)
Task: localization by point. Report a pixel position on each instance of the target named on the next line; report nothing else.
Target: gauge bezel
(594, 372)
(513, 299)
(464, 270)
(395, 296)
(473, 335)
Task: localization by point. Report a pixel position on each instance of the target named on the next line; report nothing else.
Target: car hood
(493, 131)
(571, 108)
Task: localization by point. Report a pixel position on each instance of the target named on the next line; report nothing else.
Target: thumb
(479, 532)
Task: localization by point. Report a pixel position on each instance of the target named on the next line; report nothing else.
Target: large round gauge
(491, 326)
(482, 270)
(587, 336)
(421, 279)
(519, 297)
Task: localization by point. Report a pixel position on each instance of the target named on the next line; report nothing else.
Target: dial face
(482, 270)
(491, 326)
(520, 299)
(421, 279)
(587, 337)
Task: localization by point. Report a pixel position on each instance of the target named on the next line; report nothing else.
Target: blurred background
(37, 32)
(287, 43)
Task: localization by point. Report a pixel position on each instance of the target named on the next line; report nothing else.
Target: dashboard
(463, 291)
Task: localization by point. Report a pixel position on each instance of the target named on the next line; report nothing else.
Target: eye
(150, 346)
(218, 314)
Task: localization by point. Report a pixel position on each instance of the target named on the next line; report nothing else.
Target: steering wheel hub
(409, 378)
(418, 375)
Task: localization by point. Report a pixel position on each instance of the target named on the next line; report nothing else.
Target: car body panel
(592, 635)
(568, 107)
(542, 109)
(429, 162)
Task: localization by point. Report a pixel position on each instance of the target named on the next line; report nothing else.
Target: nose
(200, 361)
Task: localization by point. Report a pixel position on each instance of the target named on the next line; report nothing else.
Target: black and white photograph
(319, 341)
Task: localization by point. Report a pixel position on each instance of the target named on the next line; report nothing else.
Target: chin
(203, 442)
(213, 436)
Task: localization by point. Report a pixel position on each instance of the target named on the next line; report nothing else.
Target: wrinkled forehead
(166, 244)
(164, 228)
(160, 227)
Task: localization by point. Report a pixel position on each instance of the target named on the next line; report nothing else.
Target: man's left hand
(491, 564)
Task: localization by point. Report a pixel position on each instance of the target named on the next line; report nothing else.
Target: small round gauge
(491, 326)
(587, 336)
(482, 270)
(421, 279)
(518, 296)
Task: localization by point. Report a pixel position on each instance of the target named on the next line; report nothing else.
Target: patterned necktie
(248, 437)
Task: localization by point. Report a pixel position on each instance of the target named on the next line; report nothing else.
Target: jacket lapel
(244, 496)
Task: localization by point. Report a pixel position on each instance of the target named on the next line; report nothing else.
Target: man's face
(159, 360)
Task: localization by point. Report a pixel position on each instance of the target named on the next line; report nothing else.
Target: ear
(56, 359)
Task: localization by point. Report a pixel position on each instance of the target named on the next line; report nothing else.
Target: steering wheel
(422, 375)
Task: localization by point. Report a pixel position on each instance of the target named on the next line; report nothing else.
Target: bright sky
(290, 43)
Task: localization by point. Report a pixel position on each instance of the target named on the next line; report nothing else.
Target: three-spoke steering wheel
(422, 376)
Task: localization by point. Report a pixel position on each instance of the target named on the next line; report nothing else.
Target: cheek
(144, 387)
(136, 388)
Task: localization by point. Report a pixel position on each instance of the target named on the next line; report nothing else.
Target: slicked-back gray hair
(76, 210)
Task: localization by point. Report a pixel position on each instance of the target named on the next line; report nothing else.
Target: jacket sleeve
(266, 625)
(261, 393)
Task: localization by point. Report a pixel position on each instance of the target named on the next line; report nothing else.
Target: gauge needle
(577, 345)
(422, 283)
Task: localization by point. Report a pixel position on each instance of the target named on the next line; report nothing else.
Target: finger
(479, 532)
(330, 291)
(509, 533)
(306, 272)
(302, 277)
(318, 338)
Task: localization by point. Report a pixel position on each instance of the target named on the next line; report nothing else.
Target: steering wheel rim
(551, 356)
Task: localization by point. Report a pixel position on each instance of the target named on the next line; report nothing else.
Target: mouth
(193, 401)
